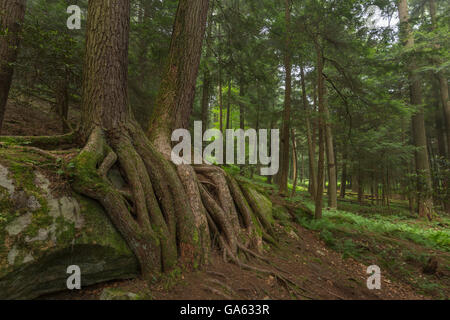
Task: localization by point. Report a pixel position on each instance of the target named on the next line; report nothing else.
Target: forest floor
(326, 259)
(321, 273)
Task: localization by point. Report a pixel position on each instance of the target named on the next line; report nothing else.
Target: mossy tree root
(167, 214)
(147, 212)
(42, 142)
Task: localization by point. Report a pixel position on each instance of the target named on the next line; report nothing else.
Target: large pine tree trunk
(424, 184)
(12, 13)
(285, 143)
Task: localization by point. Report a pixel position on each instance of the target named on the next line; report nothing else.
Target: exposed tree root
(42, 142)
(217, 292)
(38, 151)
(167, 214)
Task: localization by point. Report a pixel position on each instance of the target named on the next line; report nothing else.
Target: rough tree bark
(206, 90)
(12, 13)
(177, 90)
(284, 156)
(424, 183)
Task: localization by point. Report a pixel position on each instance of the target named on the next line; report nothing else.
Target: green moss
(195, 236)
(94, 216)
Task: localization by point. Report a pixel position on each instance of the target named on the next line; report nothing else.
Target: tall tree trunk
(322, 133)
(344, 172)
(302, 168)
(206, 90)
(12, 14)
(284, 168)
(241, 105)
(443, 83)
(105, 107)
(311, 151)
(227, 126)
(332, 183)
(424, 183)
(294, 163)
(360, 179)
(241, 112)
(220, 86)
(176, 94)
(205, 100)
(62, 102)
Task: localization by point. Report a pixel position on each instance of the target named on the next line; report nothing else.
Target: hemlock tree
(285, 141)
(165, 214)
(424, 184)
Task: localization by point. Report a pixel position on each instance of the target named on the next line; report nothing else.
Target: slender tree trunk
(360, 185)
(322, 133)
(302, 168)
(62, 102)
(12, 13)
(311, 151)
(424, 183)
(440, 131)
(284, 170)
(241, 113)
(294, 163)
(344, 172)
(241, 105)
(332, 183)
(228, 105)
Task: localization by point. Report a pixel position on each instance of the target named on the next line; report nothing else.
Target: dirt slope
(319, 273)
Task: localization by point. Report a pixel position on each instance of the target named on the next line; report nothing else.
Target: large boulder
(45, 227)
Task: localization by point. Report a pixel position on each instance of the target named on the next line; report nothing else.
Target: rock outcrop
(43, 232)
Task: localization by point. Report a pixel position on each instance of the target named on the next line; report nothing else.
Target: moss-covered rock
(43, 232)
